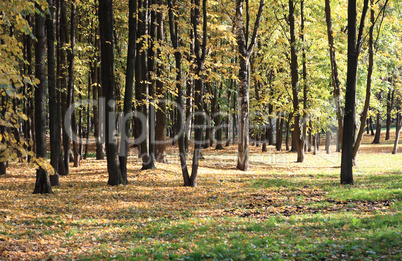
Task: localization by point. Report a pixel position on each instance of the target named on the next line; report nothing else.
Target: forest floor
(279, 210)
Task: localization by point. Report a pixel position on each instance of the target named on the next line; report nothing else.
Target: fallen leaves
(84, 215)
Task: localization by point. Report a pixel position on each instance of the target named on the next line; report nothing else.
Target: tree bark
(378, 121)
(288, 132)
(245, 47)
(151, 87)
(63, 83)
(177, 54)
(53, 108)
(390, 102)
(279, 128)
(42, 184)
(371, 126)
(334, 74)
(354, 46)
(295, 85)
(397, 133)
(364, 114)
(160, 131)
(108, 88)
(128, 95)
(200, 54)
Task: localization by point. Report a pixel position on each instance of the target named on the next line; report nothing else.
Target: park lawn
(279, 210)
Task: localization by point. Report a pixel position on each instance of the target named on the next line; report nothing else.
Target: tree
(397, 133)
(42, 184)
(297, 132)
(160, 132)
(245, 47)
(334, 73)
(128, 96)
(354, 47)
(53, 108)
(363, 117)
(108, 89)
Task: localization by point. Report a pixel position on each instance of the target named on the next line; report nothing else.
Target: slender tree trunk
(270, 134)
(279, 129)
(88, 129)
(177, 54)
(70, 94)
(398, 130)
(371, 126)
(218, 127)
(200, 54)
(328, 135)
(354, 46)
(53, 109)
(368, 87)
(246, 47)
(378, 122)
(63, 83)
(42, 184)
(160, 131)
(390, 101)
(304, 74)
(108, 88)
(3, 165)
(295, 85)
(288, 132)
(334, 74)
(128, 95)
(97, 124)
(228, 117)
(151, 87)
(208, 131)
(368, 126)
(315, 144)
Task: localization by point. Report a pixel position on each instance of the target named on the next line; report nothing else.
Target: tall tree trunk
(398, 130)
(63, 83)
(354, 46)
(108, 88)
(228, 116)
(218, 120)
(328, 135)
(279, 128)
(371, 126)
(334, 74)
(368, 87)
(378, 121)
(151, 87)
(246, 47)
(390, 102)
(304, 74)
(160, 131)
(200, 54)
(128, 95)
(42, 184)
(53, 109)
(96, 93)
(295, 85)
(270, 131)
(88, 129)
(368, 126)
(70, 94)
(288, 132)
(175, 42)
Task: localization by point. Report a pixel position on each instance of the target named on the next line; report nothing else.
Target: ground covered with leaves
(279, 210)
